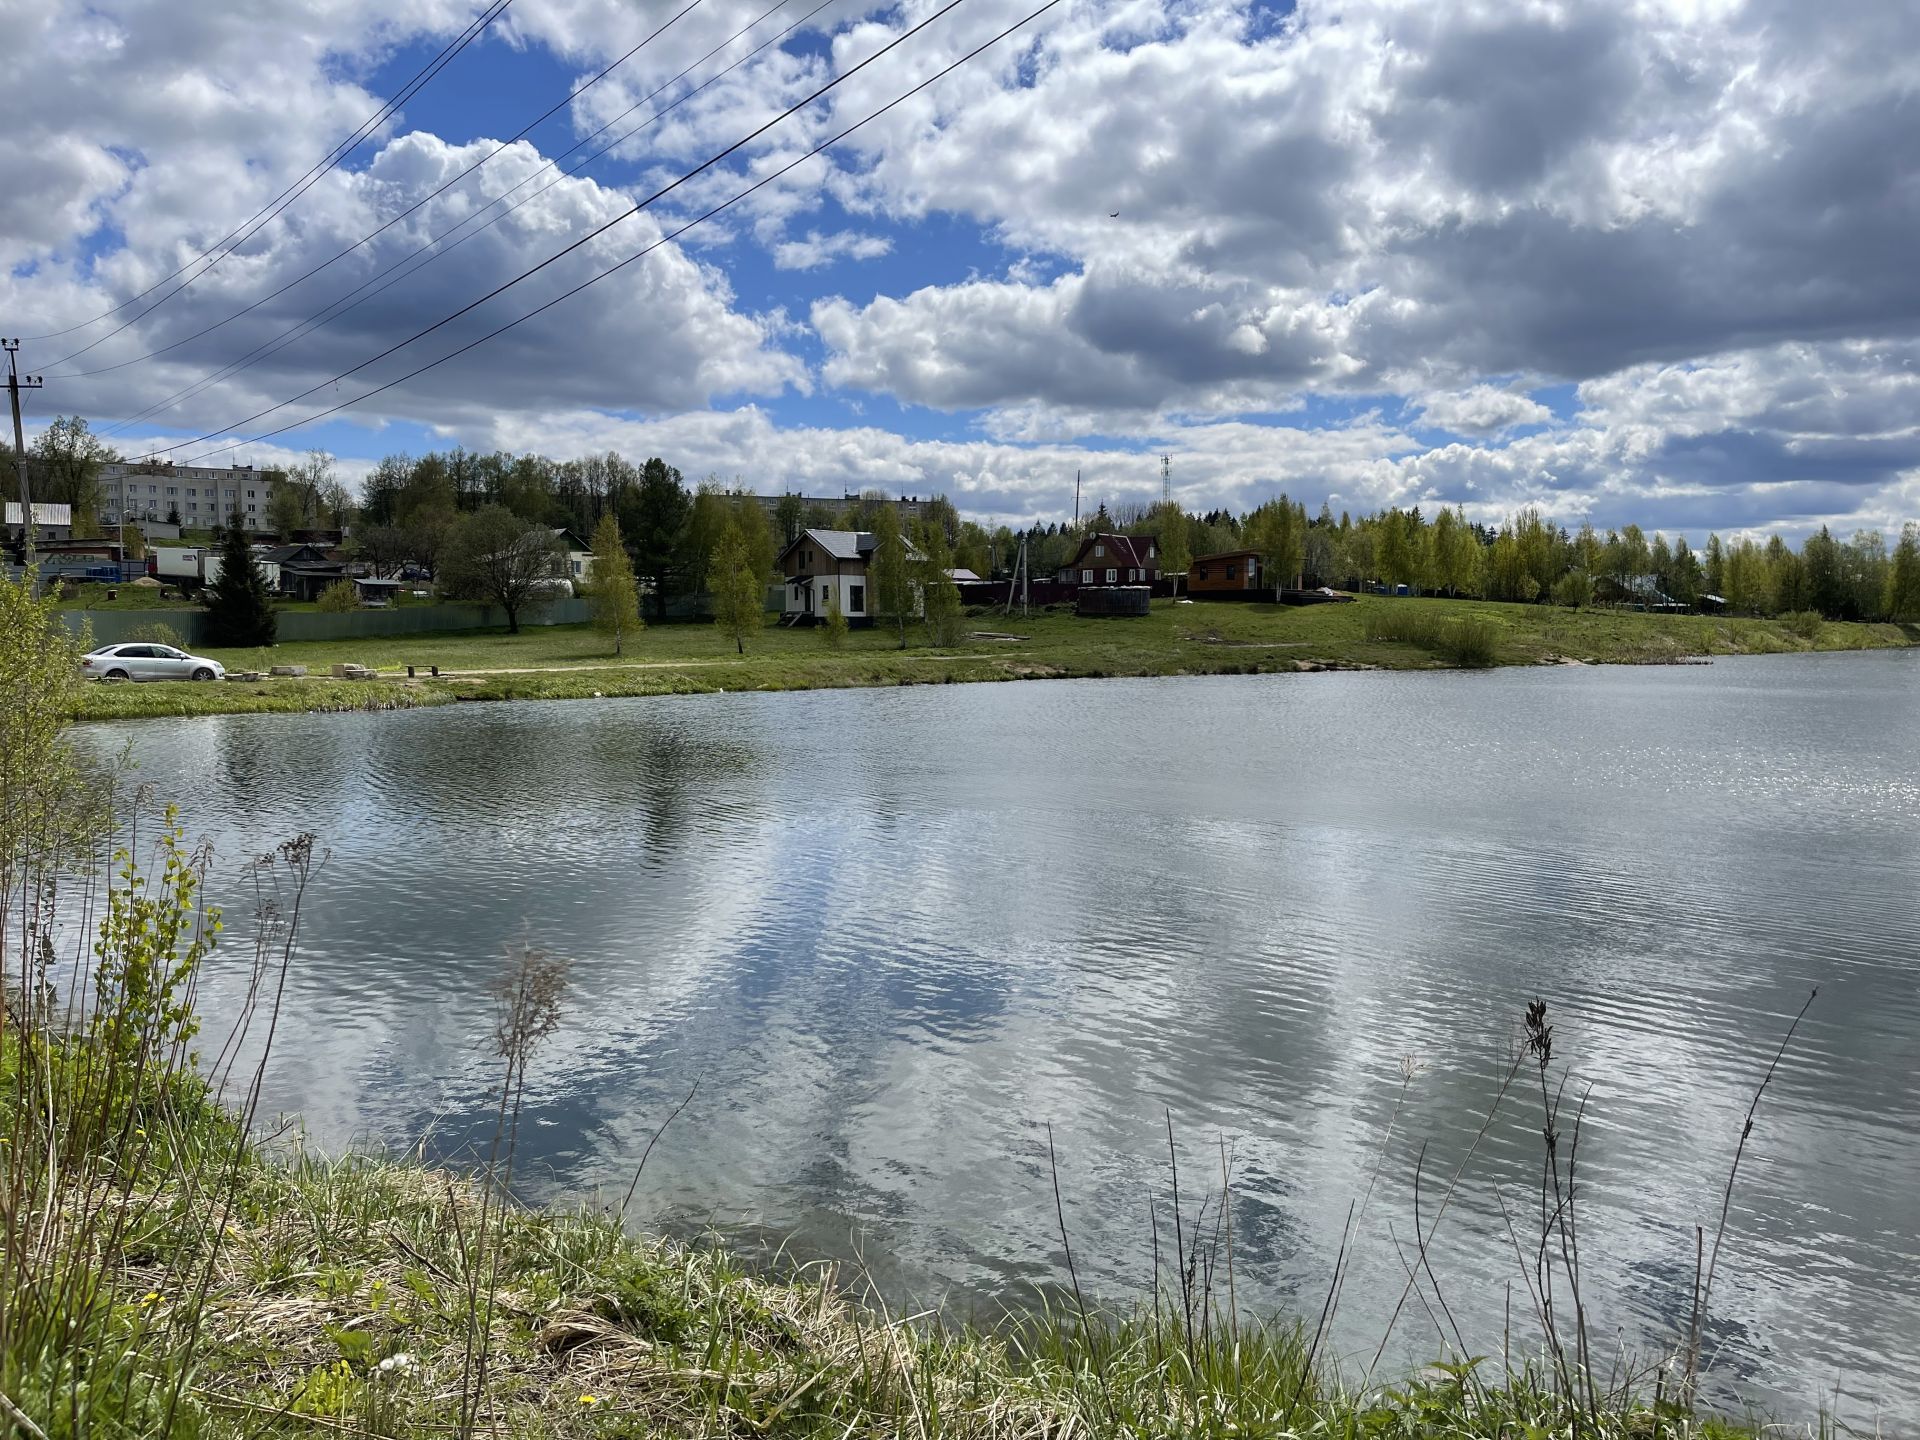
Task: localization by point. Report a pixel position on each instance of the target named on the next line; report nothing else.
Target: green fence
(111, 626)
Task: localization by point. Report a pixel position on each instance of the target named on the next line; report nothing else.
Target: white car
(132, 660)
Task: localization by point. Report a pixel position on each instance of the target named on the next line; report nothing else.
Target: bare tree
(384, 548)
(497, 558)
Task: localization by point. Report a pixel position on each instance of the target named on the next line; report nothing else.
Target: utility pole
(14, 386)
(1076, 500)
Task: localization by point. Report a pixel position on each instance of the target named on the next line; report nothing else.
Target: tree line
(413, 511)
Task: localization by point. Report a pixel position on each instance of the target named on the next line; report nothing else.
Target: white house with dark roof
(819, 563)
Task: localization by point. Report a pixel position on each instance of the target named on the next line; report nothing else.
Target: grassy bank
(568, 662)
(341, 1299)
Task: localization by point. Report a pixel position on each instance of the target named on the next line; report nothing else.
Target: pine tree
(616, 595)
(239, 605)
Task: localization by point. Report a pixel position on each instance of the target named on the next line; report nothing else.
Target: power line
(655, 245)
(445, 186)
(320, 318)
(566, 250)
(243, 232)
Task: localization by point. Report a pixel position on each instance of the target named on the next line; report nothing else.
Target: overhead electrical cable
(371, 287)
(674, 234)
(591, 235)
(445, 186)
(238, 236)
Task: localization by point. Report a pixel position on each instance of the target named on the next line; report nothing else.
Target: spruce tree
(239, 605)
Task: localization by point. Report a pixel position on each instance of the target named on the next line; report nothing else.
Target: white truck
(199, 566)
(176, 564)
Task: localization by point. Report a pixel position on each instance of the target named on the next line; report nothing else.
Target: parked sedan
(129, 661)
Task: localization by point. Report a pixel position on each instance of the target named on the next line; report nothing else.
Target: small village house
(1231, 572)
(819, 563)
(50, 522)
(576, 562)
(305, 571)
(1114, 560)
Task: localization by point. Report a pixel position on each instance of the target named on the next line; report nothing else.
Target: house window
(250, 494)
(190, 490)
(1099, 552)
(1150, 552)
(857, 599)
(1233, 572)
(173, 489)
(1112, 576)
(576, 567)
(1086, 577)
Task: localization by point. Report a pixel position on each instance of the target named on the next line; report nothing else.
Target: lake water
(894, 935)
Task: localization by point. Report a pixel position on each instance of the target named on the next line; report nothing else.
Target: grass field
(561, 662)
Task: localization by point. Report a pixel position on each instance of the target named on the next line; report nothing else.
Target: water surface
(894, 935)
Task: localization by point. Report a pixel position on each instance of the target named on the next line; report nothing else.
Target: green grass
(1204, 638)
(336, 1298)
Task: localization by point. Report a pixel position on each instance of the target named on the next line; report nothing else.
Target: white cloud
(1483, 410)
(1700, 212)
(817, 249)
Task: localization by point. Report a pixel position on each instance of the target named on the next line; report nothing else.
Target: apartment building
(205, 496)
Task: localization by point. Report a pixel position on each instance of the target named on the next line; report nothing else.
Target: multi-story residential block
(205, 496)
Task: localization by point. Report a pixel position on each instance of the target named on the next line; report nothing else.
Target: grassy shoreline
(573, 662)
(339, 1302)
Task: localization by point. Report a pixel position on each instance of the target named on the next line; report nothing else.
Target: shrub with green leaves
(1574, 590)
(157, 632)
(1806, 624)
(339, 598)
(836, 624)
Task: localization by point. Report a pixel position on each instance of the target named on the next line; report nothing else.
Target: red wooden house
(1114, 560)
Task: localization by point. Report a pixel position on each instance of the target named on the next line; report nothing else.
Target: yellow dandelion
(589, 1399)
(152, 1297)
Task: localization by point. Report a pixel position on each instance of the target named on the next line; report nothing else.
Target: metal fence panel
(112, 626)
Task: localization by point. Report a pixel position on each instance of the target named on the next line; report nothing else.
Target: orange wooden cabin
(1229, 572)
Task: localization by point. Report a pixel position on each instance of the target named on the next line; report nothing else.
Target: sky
(1645, 261)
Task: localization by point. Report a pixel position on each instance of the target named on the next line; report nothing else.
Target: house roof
(962, 576)
(567, 538)
(1129, 548)
(299, 554)
(43, 513)
(1226, 555)
(841, 544)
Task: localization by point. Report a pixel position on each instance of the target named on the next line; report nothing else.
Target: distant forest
(407, 506)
